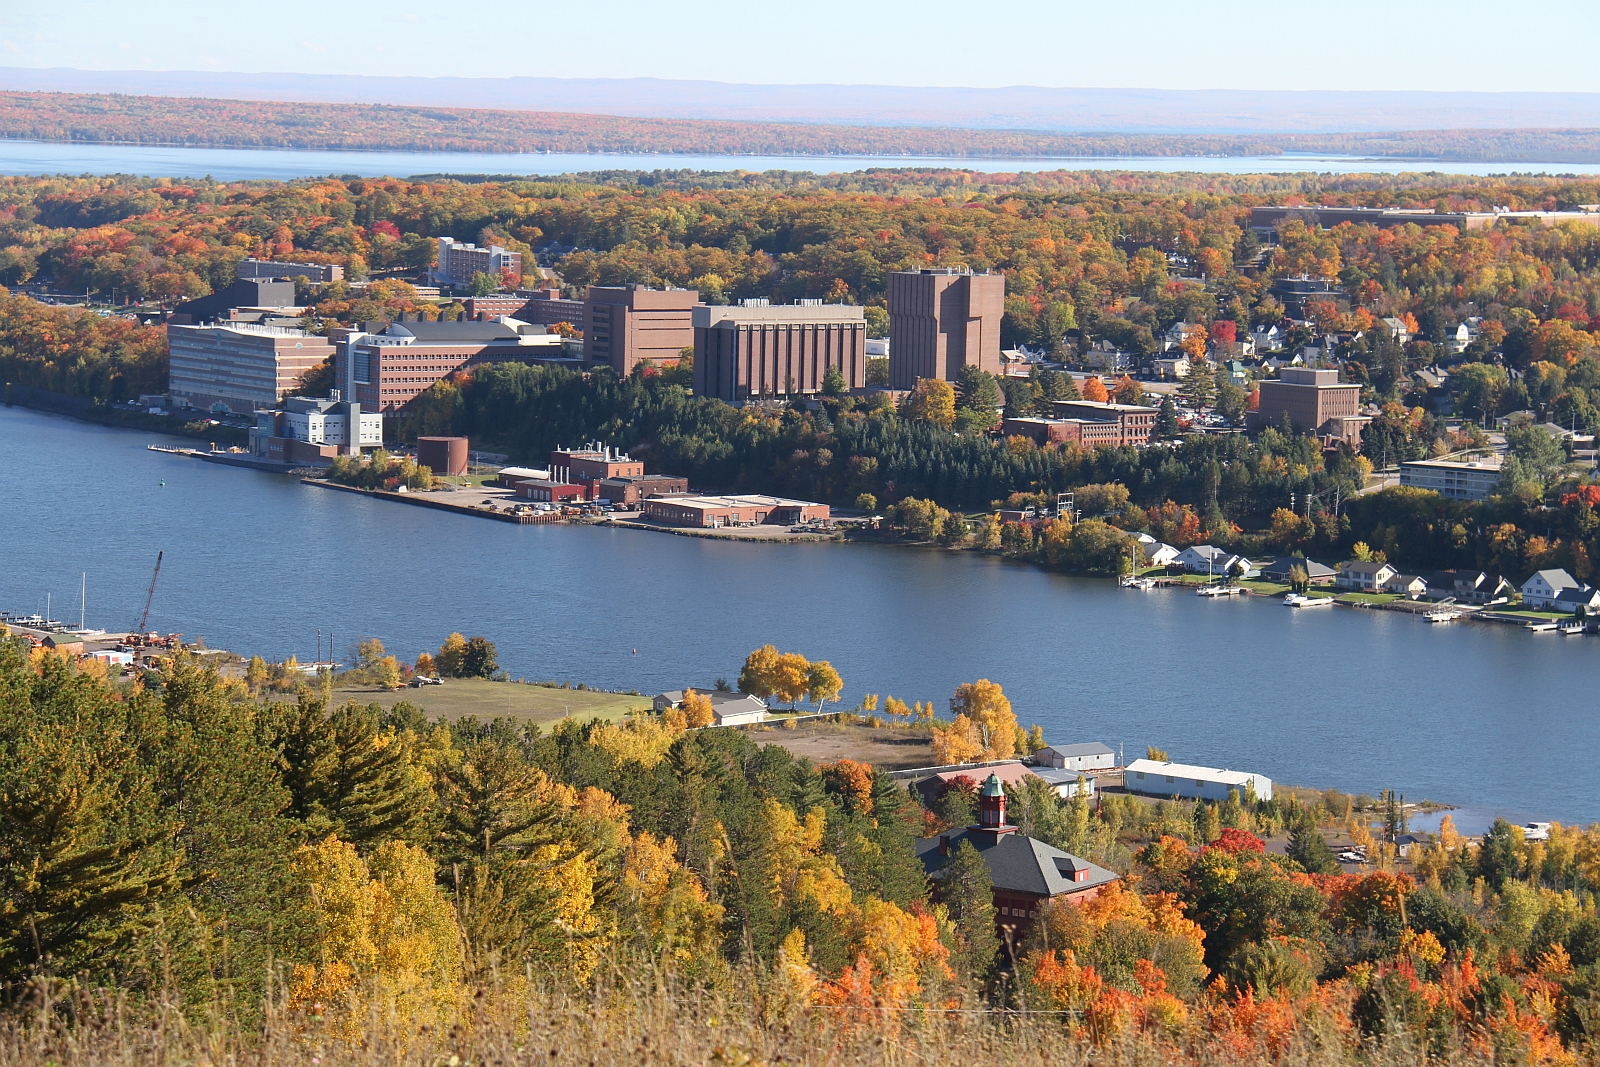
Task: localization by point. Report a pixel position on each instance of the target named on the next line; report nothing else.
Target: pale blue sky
(1529, 45)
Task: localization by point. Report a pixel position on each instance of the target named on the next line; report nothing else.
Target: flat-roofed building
(315, 273)
(1453, 479)
(626, 325)
(259, 295)
(1161, 779)
(760, 349)
(711, 512)
(238, 367)
(1135, 424)
(1314, 400)
(940, 320)
(594, 462)
(311, 429)
(547, 308)
(458, 262)
(386, 366)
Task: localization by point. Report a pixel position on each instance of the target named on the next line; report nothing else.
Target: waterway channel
(1482, 715)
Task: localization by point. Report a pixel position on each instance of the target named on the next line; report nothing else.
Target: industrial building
(624, 326)
(1161, 779)
(443, 455)
(1092, 756)
(248, 299)
(940, 320)
(712, 512)
(1268, 219)
(238, 367)
(315, 273)
(758, 349)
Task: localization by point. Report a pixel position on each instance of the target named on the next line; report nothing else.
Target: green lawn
(1530, 613)
(460, 698)
(1368, 598)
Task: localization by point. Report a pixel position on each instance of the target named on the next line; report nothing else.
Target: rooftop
(1186, 770)
(1092, 748)
(1018, 863)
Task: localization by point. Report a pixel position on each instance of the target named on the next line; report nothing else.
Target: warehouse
(711, 512)
(1159, 779)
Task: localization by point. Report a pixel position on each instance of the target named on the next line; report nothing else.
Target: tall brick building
(625, 325)
(940, 320)
(756, 349)
(1314, 401)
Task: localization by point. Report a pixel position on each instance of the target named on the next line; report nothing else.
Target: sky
(1482, 45)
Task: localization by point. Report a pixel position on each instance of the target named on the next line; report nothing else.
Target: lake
(1486, 716)
(242, 164)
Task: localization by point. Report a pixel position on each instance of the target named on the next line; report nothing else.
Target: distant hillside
(104, 118)
(1016, 107)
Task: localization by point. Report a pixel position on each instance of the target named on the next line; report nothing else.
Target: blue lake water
(1486, 716)
(242, 164)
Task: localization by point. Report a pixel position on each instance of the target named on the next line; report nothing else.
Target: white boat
(1296, 600)
(1442, 616)
(1218, 590)
(1141, 584)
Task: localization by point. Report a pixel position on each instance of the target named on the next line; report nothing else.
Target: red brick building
(757, 349)
(940, 320)
(1135, 425)
(712, 512)
(387, 365)
(627, 325)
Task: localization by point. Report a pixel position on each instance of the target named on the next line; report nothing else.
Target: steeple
(992, 808)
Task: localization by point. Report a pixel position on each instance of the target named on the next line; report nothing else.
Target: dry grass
(460, 698)
(625, 1028)
(889, 748)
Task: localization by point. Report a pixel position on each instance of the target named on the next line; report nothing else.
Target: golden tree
(984, 703)
(697, 710)
(823, 683)
(959, 742)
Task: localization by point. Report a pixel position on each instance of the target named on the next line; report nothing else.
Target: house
(1540, 591)
(1170, 368)
(1160, 555)
(727, 709)
(1090, 756)
(1586, 597)
(1103, 355)
(1364, 576)
(1208, 559)
(1263, 340)
(1160, 779)
(1275, 363)
(1410, 586)
(1316, 573)
(1027, 874)
(1397, 329)
(1064, 783)
(1011, 773)
(1427, 379)
(1469, 587)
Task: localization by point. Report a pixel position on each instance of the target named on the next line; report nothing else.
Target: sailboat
(82, 630)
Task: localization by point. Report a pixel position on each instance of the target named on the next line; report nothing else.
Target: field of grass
(460, 698)
(1368, 598)
(892, 748)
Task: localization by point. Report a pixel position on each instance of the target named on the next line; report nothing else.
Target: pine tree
(966, 888)
(1309, 848)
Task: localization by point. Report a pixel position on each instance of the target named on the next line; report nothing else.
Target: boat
(1141, 584)
(1297, 600)
(1218, 590)
(1442, 616)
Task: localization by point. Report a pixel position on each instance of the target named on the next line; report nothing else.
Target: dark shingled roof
(1017, 863)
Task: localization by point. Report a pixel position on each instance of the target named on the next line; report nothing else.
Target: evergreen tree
(966, 888)
(1309, 848)
(1167, 419)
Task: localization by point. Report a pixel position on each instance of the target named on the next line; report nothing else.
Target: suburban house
(1158, 779)
(1469, 587)
(1316, 573)
(1091, 756)
(1410, 586)
(1161, 555)
(1586, 597)
(1208, 559)
(1027, 873)
(727, 709)
(1540, 591)
(1364, 576)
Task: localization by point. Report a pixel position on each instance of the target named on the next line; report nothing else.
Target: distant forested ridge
(114, 118)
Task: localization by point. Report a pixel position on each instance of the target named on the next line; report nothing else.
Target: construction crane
(144, 617)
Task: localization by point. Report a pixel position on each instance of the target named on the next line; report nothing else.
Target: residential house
(1160, 555)
(1175, 335)
(1012, 773)
(1103, 355)
(1217, 562)
(1090, 756)
(1175, 368)
(1263, 340)
(1398, 330)
(1469, 587)
(1316, 573)
(727, 709)
(1027, 874)
(1540, 591)
(1364, 576)
(1586, 597)
(1410, 586)
(1162, 779)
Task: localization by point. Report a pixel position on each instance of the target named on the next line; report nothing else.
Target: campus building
(458, 262)
(626, 325)
(389, 364)
(311, 430)
(247, 298)
(757, 349)
(1453, 479)
(940, 320)
(238, 367)
(315, 273)
(1314, 401)
(711, 512)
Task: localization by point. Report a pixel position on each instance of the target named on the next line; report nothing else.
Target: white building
(1540, 591)
(327, 422)
(1064, 783)
(1453, 479)
(458, 262)
(1091, 756)
(1217, 562)
(1154, 778)
(727, 709)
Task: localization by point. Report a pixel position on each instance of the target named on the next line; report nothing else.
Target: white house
(1160, 555)
(1264, 340)
(1208, 559)
(1091, 756)
(1155, 778)
(1540, 591)
(1586, 597)
(727, 709)
(1364, 576)
(1397, 328)
(1170, 368)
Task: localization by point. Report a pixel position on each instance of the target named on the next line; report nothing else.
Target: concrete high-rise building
(757, 349)
(238, 367)
(941, 320)
(624, 325)
(458, 262)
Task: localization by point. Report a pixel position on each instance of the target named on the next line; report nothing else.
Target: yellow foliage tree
(823, 683)
(452, 654)
(639, 741)
(665, 904)
(959, 742)
(697, 710)
(388, 936)
(759, 668)
(933, 401)
(802, 868)
(790, 677)
(903, 947)
(984, 703)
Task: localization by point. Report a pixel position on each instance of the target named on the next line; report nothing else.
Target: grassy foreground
(478, 698)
